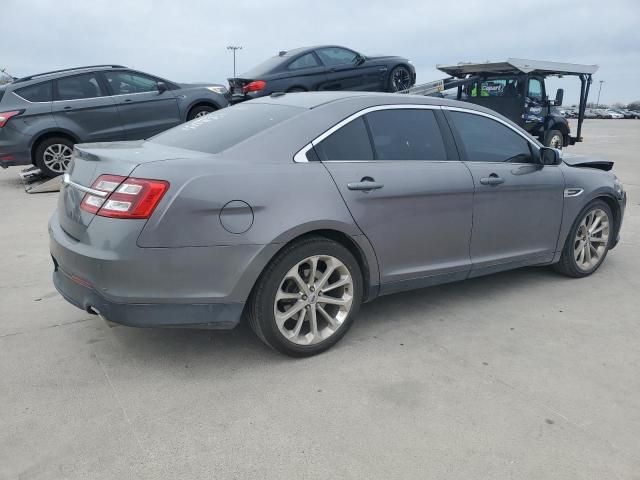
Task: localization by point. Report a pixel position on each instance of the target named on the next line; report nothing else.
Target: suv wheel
(53, 156)
(306, 299)
(200, 111)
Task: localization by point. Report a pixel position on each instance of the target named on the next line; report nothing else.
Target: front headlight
(218, 89)
(617, 185)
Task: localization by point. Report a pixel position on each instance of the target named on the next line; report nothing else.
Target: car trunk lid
(94, 159)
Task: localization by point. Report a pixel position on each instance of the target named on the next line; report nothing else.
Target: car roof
(39, 77)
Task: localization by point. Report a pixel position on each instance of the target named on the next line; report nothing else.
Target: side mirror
(162, 87)
(550, 156)
(559, 97)
(360, 59)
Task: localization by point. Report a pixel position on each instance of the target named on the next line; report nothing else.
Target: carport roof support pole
(585, 83)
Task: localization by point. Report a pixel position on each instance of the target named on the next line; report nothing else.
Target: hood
(204, 85)
(584, 161)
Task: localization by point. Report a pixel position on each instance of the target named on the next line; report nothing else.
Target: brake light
(254, 86)
(5, 116)
(124, 197)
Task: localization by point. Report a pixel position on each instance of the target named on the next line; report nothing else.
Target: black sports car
(326, 67)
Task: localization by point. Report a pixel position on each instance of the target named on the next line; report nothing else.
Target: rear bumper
(220, 316)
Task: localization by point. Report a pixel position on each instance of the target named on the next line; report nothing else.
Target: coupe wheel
(53, 156)
(307, 297)
(399, 79)
(588, 242)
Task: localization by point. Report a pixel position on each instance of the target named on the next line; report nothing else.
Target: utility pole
(599, 90)
(233, 48)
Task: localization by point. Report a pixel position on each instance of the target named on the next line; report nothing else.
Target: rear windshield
(225, 128)
(268, 66)
(2, 89)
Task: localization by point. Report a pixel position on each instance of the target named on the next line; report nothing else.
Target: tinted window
(486, 140)
(497, 87)
(123, 83)
(79, 86)
(225, 128)
(305, 61)
(350, 142)
(40, 92)
(535, 90)
(336, 56)
(406, 135)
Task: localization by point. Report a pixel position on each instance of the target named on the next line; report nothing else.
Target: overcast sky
(185, 40)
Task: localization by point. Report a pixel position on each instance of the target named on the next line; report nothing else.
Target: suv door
(343, 72)
(517, 207)
(82, 106)
(405, 191)
(145, 111)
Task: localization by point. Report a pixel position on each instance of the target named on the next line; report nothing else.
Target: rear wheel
(588, 242)
(399, 79)
(53, 156)
(200, 111)
(306, 299)
(554, 139)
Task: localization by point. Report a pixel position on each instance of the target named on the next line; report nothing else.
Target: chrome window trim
(301, 155)
(66, 179)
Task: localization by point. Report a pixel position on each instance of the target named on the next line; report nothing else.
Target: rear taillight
(6, 116)
(254, 86)
(124, 197)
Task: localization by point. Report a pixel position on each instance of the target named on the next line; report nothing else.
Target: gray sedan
(292, 210)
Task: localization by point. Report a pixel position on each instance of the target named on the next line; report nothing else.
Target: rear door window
(406, 134)
(350, 142)
(41, 92)
(227, 127)
(79, 87)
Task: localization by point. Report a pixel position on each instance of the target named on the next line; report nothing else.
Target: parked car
(42, 116)
(326, 67)
(629, 113)
(296, 208)
(615, 114)
(590, 113)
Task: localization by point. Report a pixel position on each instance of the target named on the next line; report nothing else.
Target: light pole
(233, 48)
(599, 90)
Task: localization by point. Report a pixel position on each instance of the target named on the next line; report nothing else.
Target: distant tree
(618, 105)
(597, 105)
(634, 105)
(4, 77)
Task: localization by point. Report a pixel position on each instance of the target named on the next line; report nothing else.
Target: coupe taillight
(124, 197)
(254, 86)
(6, 116)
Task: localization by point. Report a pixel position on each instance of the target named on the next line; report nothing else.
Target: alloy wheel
(592, 239)
(56, 157)
(201, 114)
(313, 300)
(401, 79)
(556, 142)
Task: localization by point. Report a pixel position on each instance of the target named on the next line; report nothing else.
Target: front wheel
(554, 139)
(588, 241)
(307, 297)
(399, 79)
(200, 111)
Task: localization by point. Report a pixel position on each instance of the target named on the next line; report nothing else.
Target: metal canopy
(516, 65)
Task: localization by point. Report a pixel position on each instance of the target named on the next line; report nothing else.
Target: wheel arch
(201, 103)
(42, 136)
(401, 64)
(613, 204)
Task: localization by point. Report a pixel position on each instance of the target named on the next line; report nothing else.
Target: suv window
(406, 134)
(227, 127)
(78, 87)
(486, 140)
(124, 83)
(351, 142)
(305, 61)
(336, 56)
(40, 92)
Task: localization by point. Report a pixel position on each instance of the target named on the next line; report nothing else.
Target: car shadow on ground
(402, 309)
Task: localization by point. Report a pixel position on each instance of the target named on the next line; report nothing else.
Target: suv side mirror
(162, 87)
(550, 156)
(559, 97)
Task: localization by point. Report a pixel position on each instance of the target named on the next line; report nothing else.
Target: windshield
(225, 128)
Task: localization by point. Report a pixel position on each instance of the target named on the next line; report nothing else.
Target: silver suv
(42, 116)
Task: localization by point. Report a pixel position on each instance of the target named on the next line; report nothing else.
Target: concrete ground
(525, 375)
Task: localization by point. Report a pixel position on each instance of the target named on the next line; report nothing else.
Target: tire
(399, 79)
(200, 111)
(295, 337)
(569, 263)
(296, 90)
(53, 155)
(554, 136)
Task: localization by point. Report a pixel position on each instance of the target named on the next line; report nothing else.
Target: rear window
(225, 128)
(1, 92)
(40, 92)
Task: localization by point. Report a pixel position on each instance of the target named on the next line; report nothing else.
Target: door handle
(127, 100)
(68, 108)
(492, 179)
(365, 185)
